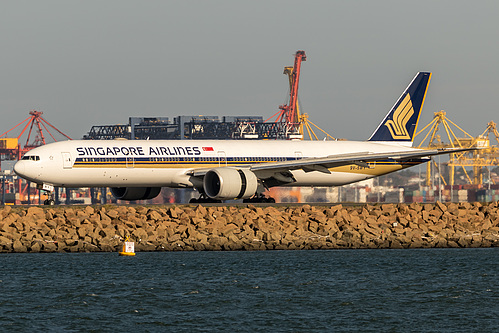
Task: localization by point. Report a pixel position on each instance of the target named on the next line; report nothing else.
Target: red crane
(10, 148)
(35, 120)
(288, 113)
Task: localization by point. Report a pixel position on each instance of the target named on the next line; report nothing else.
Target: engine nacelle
(135, 193)
(230, 183)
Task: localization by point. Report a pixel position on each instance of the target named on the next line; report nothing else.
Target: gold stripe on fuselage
(373, 169)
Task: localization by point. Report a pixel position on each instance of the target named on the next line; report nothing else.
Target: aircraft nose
(19, 168)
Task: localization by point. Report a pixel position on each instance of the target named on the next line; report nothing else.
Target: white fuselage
(161, 163)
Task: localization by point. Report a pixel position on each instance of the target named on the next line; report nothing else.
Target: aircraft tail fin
(400, 124)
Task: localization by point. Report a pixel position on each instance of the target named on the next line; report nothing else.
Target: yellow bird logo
(397, 125)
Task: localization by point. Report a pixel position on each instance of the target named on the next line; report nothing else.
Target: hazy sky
(87, 63)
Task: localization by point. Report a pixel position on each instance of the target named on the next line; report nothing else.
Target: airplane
(232, 169)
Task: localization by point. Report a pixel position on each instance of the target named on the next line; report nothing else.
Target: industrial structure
(286, 124)
(187, 128)
(486, 157)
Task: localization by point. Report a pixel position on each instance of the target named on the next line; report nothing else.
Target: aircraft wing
(281, 170)
(323, 163)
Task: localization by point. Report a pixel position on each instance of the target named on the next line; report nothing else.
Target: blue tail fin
(399, 125)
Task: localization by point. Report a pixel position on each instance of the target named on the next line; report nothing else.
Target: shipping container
(8, 143)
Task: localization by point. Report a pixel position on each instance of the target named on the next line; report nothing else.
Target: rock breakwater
(189, 228)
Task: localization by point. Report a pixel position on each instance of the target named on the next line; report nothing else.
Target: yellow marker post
(128, 248)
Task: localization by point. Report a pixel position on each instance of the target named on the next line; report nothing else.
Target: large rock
(5, 211)
(35, 211)
(18, 246)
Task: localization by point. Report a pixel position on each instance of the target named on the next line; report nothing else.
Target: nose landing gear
(49, 202)
(49, 189)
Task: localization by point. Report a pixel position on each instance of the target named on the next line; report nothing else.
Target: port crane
(35, 126)
(10, 149)
(486, 156)
(288, 113)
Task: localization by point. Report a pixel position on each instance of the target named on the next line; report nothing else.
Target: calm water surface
(444, 290)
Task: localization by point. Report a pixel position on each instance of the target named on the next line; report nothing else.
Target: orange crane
(10, 148)
(288, 113)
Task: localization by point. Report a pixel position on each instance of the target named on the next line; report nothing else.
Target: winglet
(399, 125)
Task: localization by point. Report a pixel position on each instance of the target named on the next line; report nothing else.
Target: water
(445, 290)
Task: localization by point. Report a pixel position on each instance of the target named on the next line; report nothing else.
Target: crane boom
(289, 112)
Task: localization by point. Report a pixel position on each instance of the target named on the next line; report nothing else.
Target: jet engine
(135, 193)
(230, 183)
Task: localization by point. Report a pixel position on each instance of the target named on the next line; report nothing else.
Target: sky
(85, 63)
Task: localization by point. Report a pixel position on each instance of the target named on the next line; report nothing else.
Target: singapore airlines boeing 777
(232, 169)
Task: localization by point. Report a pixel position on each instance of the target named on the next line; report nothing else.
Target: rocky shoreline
(248, 227)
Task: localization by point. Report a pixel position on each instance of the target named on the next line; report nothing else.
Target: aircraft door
(130, 162)
(298, 155)
(222, 158)
(67, 161)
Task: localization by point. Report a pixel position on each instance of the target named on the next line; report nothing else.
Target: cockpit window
(31, 157)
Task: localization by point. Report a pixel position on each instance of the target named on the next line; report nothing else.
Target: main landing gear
(203, 198)
(256, 199)
(259, 198)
